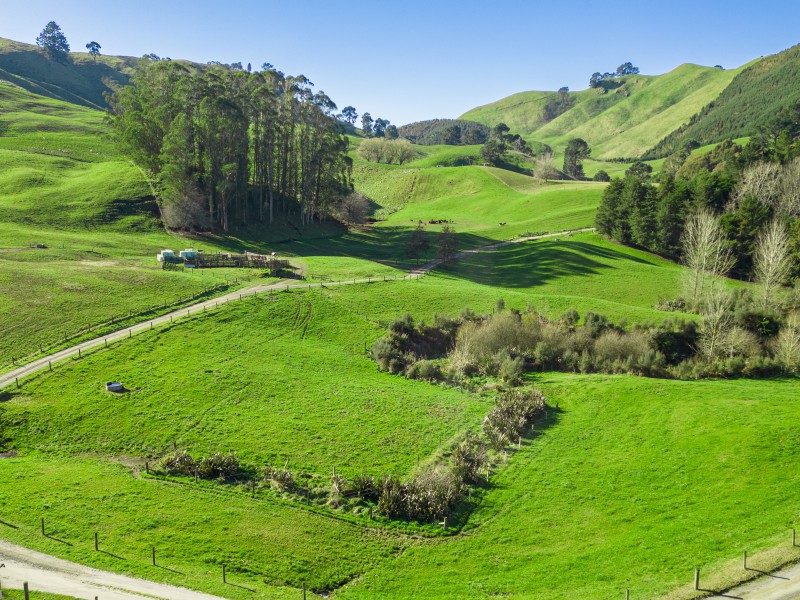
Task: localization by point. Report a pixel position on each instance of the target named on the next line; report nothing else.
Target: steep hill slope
(752, 98)
(80, 80)
(59, 167)
(620, 122)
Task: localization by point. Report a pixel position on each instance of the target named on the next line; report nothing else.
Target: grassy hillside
(60, 168)
(581, 271)
(64, 184)
(476, 199)
(631, 484)
(273, 380)
(754, 96)
(81, 79)
(620, 123)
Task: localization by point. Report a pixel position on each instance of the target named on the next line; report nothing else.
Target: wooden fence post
(96, 542)
(25, 590)
(154, 556)
(304, 590)
(224, 580)
(794, 536)
(697, 579)
(744, 560)
(627, 595)
(43, 533)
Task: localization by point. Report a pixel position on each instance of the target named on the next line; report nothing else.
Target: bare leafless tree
(771, 261)
(761, 180)
(789, 190)
(717, 321)
(545, 167)
(705, 252)
(787, 344)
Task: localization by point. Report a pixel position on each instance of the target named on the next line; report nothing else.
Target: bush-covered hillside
(451, 132)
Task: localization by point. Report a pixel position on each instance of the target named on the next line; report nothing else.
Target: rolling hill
(619, 123)
(754, 96)
(79, 80)
(627, 482)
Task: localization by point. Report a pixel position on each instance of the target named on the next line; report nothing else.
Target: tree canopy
(576, 150)
(94, 49)
(225, 146)
(53, 40)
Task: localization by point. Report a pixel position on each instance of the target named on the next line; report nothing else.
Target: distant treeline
(450, 132)
(732, 211)
(228, 146)
(748, 187)
(754, 97)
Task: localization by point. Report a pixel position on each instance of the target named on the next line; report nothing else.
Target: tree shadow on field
(716, 594)
(533, 264)
(385, 245)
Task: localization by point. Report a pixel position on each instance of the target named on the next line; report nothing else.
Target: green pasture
(630, 484)
(581, 271)
(269, 548)
(279, 381)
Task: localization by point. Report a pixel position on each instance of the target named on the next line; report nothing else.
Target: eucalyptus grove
(229, 146)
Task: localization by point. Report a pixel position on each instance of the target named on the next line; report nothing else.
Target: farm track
(41, 364)
(48, 574)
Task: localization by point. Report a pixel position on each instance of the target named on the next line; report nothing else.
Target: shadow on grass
(719, 594)
(55, 539)
(168, 569)
(110, 554)
(534, 264)
(241, 587)
(386, 245)
(8, 524)
(767, 574)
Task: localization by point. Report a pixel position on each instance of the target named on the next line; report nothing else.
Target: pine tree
(53, 40)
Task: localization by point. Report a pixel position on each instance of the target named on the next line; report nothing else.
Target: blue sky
(410, 60)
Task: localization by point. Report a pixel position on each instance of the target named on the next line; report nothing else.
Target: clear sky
(409, 60)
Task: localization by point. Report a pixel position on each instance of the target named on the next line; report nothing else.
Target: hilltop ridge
(617, 123)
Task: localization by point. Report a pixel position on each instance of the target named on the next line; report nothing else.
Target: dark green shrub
(469, 459)
(390, 498)
(403, 325)
(545, 356)
(596, 323)
(511, 369)
(364, 487)
(426, 370)
(763, 366)
(283, 480)
(179, 463)
(571, 317)
(218, 466)
(765, 324)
